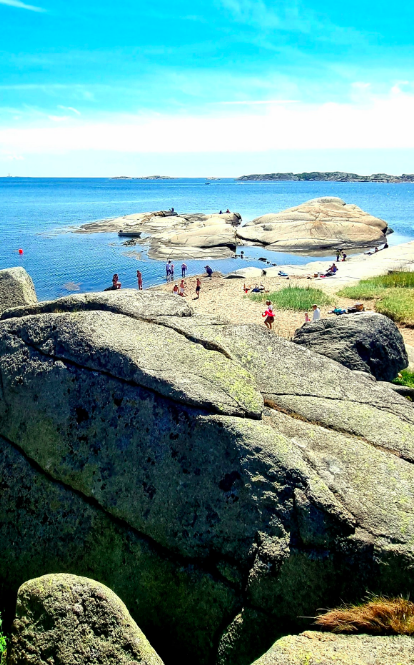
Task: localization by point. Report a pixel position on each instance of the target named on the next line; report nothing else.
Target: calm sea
(36, 214)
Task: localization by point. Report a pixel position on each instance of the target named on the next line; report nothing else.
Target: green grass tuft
(294, 297)
(375, 287)
(394, 295)
(398, 304)
(3, 644)
(406, 380)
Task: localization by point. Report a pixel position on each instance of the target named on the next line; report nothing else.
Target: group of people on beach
(269, 315)
(116, 284)
(169, 270)
(179, 289)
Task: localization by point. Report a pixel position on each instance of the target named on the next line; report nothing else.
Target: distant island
(332, 176)
(144, 177)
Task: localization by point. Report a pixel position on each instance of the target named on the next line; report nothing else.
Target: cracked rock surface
(243, 480)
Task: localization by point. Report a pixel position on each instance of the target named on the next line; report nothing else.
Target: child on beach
(198, 287)
(270, 317)
(181, 288)
(175, 289)
(139, 278)
(307, 319)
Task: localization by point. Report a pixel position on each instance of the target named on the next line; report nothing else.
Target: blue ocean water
(36, 214)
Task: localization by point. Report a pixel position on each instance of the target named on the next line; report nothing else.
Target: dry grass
(379, 615)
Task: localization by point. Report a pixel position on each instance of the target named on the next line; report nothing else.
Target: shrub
(378, 615)
(3, 643)
(294, 297)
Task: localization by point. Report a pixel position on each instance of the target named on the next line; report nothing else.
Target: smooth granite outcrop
(315, 648)
(323, 223)
(365, 341)
(175, 236)
(238, 480)
(16, 288)
(74, 620)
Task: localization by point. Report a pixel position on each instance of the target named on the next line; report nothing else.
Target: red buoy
(20, 251)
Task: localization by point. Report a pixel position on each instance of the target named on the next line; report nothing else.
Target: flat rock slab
(326, 222)
(132, 303)
(16, 288)
(74, 620)
(181, 236)
(365, 341)
(314, 648)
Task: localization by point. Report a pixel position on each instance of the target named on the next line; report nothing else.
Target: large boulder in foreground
(16, 288)
(74, 620)
(313, 647)
(222, 481)
(322, 223)
(365, 341)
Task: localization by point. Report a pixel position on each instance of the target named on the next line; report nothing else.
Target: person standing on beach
(198, 287)
(181, 290)
(183, 269)
(172, 271)
(139, 278)
(168, 270)
(270, 317)
(316, 312)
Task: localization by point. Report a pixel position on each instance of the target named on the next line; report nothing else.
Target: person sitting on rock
(116, 284)
(227, 210)
(175, 289)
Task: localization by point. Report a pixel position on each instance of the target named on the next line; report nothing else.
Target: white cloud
(257, 102)
(58, 118)
(21, 5)
(70, 108)
(374, 122)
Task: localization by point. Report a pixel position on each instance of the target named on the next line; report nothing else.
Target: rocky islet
(322, 223)
(197, 470)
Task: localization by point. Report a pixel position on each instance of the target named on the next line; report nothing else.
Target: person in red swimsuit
(270, 317)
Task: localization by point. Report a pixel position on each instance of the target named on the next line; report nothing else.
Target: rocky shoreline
(328, 176)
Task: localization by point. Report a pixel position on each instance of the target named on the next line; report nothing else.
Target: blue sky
(196, 88)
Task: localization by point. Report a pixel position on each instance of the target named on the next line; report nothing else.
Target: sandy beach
(225, 298)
